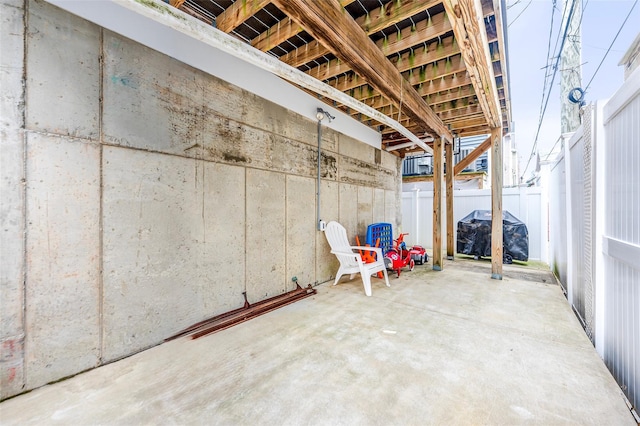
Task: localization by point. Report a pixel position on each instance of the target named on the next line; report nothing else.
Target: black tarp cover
(474, 235)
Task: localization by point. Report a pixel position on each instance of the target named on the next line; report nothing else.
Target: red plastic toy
(399, 256)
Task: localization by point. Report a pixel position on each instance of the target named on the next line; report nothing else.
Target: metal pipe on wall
(320, 115)
(318, 220)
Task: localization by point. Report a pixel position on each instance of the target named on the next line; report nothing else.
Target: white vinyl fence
(594, 205)
(621, 240)
(524, 203)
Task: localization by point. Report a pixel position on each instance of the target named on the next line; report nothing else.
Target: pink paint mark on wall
(12, 374)
(8, 350)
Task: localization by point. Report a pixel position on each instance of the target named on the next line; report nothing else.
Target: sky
(529, 24)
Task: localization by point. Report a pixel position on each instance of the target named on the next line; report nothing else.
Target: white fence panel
(578, 279)
(524, 203)
(621, 240)
(558, 222)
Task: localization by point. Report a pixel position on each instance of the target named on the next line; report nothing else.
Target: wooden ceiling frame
(237, 13)
(431, 91)
(466, 17)
(416, 55)
(370, 25)
(281, 32)
(328, 22)
(432, 71)
(443, 59)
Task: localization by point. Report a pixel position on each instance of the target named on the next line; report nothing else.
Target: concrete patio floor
(450, 347)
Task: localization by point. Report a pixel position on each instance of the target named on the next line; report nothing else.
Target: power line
(601, 62)
(513, 4)
(611, 45)
(555, 72)
(519, 14)
(544, 85)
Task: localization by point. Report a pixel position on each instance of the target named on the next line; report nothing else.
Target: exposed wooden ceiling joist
(502, 57)
(370, 24)
(328, 22)
(424, 54)
(456, 93)
(449, 55)
(237, 13)
(466, 18)
(281, 32)
(424, 75)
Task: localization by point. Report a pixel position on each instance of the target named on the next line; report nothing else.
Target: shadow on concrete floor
(449, 347)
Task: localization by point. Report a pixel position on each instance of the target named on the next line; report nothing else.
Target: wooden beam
(176, 3)
(412, 59)
(328, 22)
(413, 42)
(281, 32)
(432, 71)
(277, 34)
(480, 176)
(437, 203)
(464, 122)
(189, 10)
(472, 156)
(446, 111)
(450, 95)
(474, 131)
(456, 122)
(500, 25)
(237, 13)
(395, 11)
(496, 203)
(460, 113)
(449, 175)
(468, 26)
(432, 91)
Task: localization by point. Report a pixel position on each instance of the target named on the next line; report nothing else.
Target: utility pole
(571, 92)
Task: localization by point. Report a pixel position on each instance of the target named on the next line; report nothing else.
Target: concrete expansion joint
(81, 139)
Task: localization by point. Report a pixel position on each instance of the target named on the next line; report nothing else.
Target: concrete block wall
(140, 195)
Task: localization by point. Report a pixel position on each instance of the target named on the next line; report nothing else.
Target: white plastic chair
(350, 261)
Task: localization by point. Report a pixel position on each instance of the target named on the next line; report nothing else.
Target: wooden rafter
(463, 127)
(422, 55)
(237, 13)
(439, 69)
(326, 21)
(281, 32)
(277, 34)
(456, 88)
(453, 57)
(504, 94)
(405, 10)
(444, 114)
(468, 26)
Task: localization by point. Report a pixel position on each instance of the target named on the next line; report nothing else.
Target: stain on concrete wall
(11, 197)
(154, 196)
(62, 258)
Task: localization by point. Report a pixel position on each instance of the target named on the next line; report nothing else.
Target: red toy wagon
(396, 254)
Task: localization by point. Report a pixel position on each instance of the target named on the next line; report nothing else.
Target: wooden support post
(450, 173)
(437, 203)
(496, 203)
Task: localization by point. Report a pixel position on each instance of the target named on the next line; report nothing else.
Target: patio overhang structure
(418, 72)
